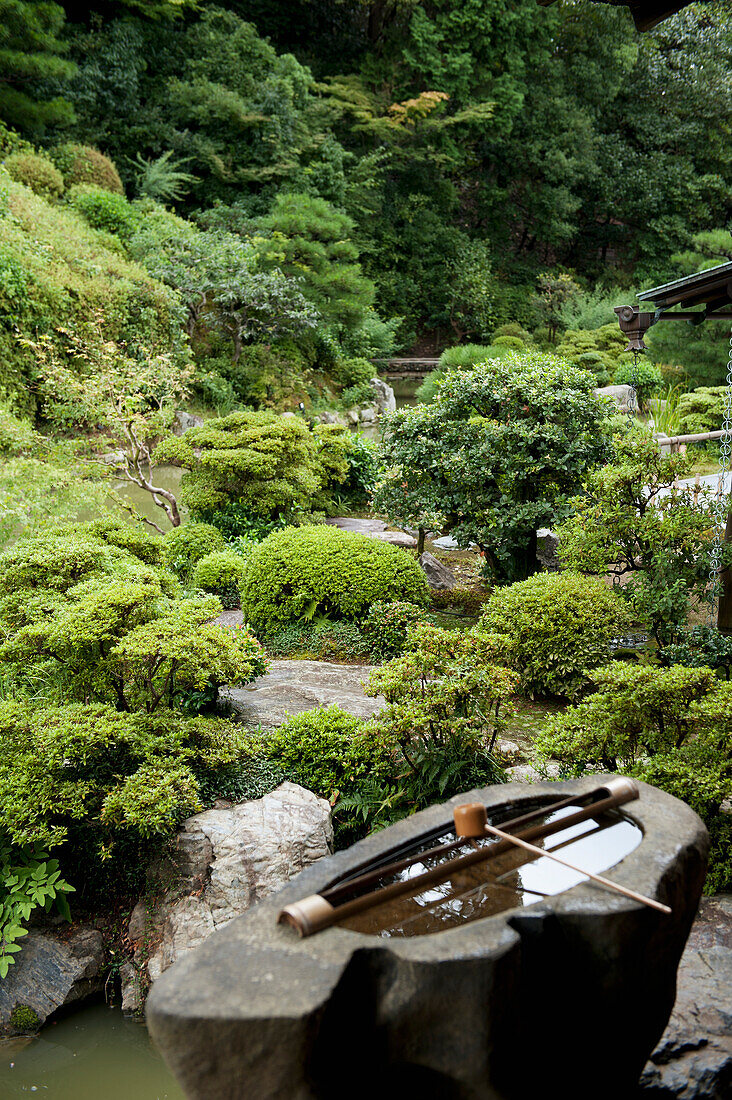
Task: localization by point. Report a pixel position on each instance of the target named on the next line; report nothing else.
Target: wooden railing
(675, 441)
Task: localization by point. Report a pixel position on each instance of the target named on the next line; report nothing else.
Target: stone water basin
(565, 994)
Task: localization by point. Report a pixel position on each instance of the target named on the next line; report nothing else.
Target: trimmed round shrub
(221, 573)
(329, 751)
(105, 210)
(353, 372)
(84, 164)
(36, 172)
(187, 544)
(556, 627)
(303, 573)
(511, 329)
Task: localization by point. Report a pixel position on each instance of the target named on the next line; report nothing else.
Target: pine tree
(30, 55)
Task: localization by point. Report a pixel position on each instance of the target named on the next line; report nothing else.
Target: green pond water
(94, 1054)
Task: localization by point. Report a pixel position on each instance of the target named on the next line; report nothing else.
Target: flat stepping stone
(232, 618)
(373, 529)
(368, 527)
(293, 687)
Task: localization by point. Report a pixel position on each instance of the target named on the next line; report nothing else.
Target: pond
(168, 477)
(96, 1052)
(405, 387)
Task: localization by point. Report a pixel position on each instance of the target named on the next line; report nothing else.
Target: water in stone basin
(95, 1053)
(513, 879)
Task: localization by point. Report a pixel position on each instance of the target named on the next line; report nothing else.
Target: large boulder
(439, 577)
(53, 969)
(184, 421)
(224, 860)
(619, 394)
(693, 1060)
(384, 395)
(291, 687)
(547, 544)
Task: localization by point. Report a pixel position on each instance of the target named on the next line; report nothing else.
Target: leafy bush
(363, 460)
(701, 410)
(269, 375)
(221, 573)
(352, 372)
(495, 456)
(84, 164)
(556, 627)
(90, 610)
(329, 751)
(511, 329)
(671, 727)
(105, 210)
(246, 779)
(652, 540)
(17, 436)
(387, 626)
(700, 647)
(462, 357)
(265, 462)
(515, 343)
(302, 573)
(444, 698)
(323, 641)
(98, 786)
(601, 350)
(238, 522)
(29, 880)
(36, 172)
(648, 379)
(186, 545)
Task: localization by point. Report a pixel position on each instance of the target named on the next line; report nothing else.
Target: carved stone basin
(559, 994)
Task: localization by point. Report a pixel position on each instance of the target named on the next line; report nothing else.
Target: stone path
(693, 1061)
(291, 687)
(374, 529)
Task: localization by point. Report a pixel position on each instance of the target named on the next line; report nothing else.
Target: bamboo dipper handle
(595, 878)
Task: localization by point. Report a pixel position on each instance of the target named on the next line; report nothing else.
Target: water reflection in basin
(513, 879)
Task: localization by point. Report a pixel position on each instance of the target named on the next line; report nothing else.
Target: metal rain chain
(632, 403)
(719, 506)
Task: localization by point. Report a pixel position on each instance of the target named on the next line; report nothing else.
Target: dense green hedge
(302, 573)
(556, 626)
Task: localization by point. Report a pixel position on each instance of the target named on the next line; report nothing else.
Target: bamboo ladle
(471, 822)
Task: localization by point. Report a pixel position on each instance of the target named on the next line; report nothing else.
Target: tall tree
(31, 54)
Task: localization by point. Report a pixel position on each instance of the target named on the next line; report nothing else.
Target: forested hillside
(431, 170)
